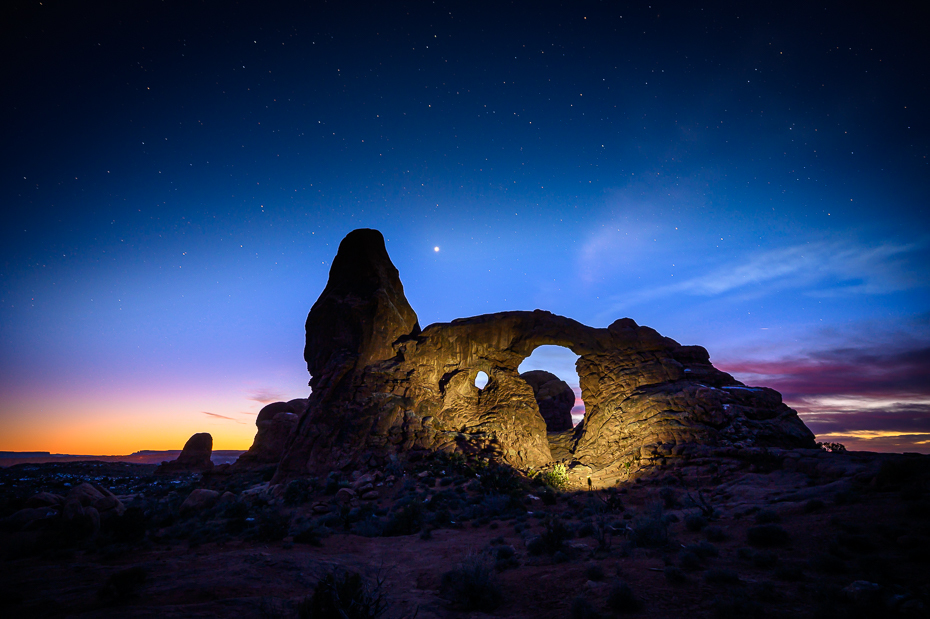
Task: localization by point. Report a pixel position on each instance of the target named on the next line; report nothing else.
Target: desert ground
(774, 533)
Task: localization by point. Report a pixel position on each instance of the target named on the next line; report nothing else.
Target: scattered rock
(199, 500)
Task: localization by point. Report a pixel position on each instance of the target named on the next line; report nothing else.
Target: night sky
(177, 176)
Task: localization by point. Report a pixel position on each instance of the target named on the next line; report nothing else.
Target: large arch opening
(548, 362)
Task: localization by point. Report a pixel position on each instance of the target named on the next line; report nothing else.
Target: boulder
(199, 500)
(276, 423)
(383, 388)
(45, 499)
(194, 458)
(101, 499)
(554, 398)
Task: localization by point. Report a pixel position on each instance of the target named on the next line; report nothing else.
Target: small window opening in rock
(555, 404)
(481, 380)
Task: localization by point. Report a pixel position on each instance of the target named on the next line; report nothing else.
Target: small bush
(813, 505)
(310, 536)
(550, 541)
(650, 531)
(767, 535)
(767, 516)
(621, 599)
(472, 585)
(695, 522)
(703, 549)
(344, 595)
(583, 609)
(557, 477)
(669, 497)
(674, 575)
(721, 577)
(405, 521)
(594, 572)
(298, 491)
(715, 534)
(764, 559)
(123, 584)
(837, 448)
(689, 561)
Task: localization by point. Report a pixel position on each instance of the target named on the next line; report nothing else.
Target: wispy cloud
(265, 395)
(221, 416)
(825, 268)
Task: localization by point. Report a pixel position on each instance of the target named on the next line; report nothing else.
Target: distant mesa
(194, 458)
(383, 388)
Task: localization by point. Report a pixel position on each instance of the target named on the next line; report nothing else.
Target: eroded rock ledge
(383, 388)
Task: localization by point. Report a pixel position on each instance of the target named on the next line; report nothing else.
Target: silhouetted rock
(276, 423)
(383, 387)
(554, 398)
(194, 458)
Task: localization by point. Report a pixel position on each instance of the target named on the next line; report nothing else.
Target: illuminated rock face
(381, 386)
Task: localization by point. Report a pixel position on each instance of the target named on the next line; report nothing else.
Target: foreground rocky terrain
(731, 533)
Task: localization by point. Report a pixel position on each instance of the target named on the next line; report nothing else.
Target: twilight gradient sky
(177, 175)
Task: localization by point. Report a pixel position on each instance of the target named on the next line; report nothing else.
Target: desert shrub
(556, 477)
(594, 572)
(269, 525)
(766, 516)
(406, 520)
(813, 505)
(559, 557)
(790, 572)
(581, 608)
(674, 575)
(721, 576)
(827, 563)
(764, 559)
(548, 496)
(689, 561)
(123, 584)
(767, 535)
(585, 530)
(372, 526)
(650, 531)
(298, 491)
(715, 534)
(269, 608)
(669, 497)
(505, 557)
(310, 536)
(621, 599)
(345, 595)
(472, 585)
(837, 448)
(695, 522)
(703, 549)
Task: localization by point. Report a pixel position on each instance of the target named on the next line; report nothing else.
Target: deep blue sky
(176, 177)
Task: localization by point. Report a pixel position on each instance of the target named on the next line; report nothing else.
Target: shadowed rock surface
(276, 423)
(554, 398)
(195, 457)
(381, 386)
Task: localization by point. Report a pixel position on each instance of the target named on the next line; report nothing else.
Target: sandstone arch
(383, 386)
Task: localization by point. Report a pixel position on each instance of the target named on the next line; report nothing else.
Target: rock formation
(554, 398)
(194, 458)
(276, 423)
(381, 386)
